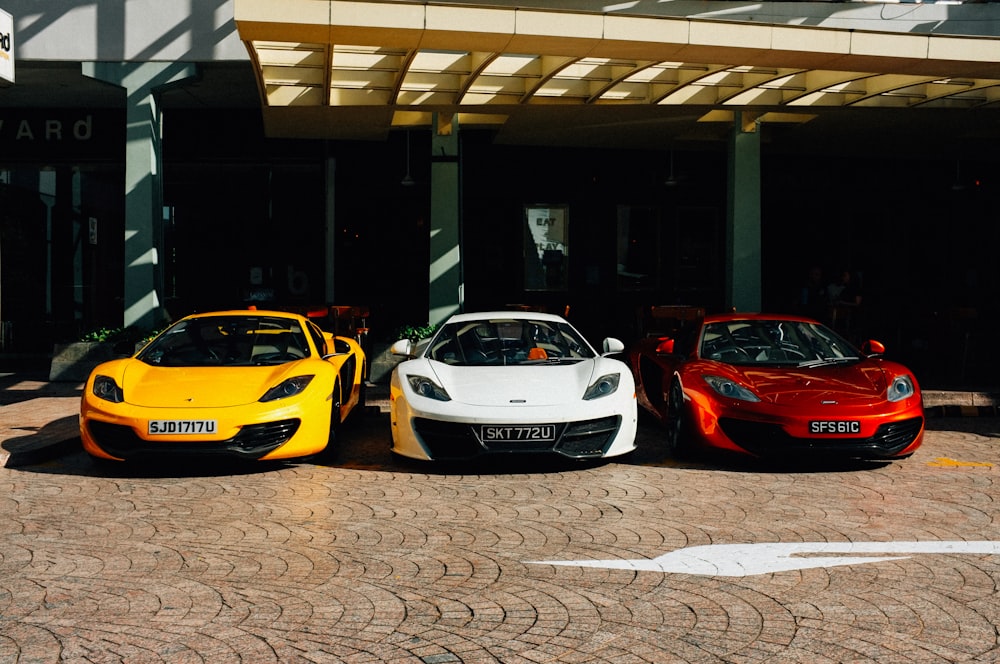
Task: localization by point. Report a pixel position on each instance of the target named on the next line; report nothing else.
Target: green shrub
(416, 332)
(105, 334)
(119, 335)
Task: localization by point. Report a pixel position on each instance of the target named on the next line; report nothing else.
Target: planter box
(74, 361)
(381, 363)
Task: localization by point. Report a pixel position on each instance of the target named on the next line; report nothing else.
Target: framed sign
(695, 258)
(638, 259)
(546, 247)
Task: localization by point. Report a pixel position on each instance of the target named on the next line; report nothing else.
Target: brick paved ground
(373, 559)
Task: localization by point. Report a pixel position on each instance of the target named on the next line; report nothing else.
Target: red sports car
(777, 386)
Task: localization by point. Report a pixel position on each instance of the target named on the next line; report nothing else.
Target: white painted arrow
(750, 559)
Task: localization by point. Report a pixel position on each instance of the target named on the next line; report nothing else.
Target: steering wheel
(793, 351)
(280, 355)
(740, 353)
(476, 357)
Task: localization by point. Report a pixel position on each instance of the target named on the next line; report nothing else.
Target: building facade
(158, 158)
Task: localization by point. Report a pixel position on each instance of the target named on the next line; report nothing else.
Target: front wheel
(675, 422)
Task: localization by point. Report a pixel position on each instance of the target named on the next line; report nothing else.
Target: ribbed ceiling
(390, 58)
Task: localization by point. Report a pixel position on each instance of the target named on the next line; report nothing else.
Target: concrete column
(743, 239)
(446, 285)
(143, 188)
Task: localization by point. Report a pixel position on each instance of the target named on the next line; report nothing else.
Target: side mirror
(665, 346)
(872, 347)
(402, 347)
(612, 345)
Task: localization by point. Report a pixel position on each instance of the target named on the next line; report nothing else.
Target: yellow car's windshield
(228, 341)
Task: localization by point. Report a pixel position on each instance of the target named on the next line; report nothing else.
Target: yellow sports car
(245, 384)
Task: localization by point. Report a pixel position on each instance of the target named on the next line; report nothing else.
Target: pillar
(743, 224)
(143, 277)
(446, 284)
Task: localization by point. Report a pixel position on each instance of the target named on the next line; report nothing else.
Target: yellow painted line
(945, 462)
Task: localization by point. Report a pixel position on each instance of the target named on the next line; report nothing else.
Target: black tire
(675, 423)
(358, 412)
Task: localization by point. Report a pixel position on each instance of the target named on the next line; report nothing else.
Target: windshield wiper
(552, 360)
(827, 360)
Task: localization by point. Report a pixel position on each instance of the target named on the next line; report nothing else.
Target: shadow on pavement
(364, 444)
(17, 388)
(39, 444)
(983, 426)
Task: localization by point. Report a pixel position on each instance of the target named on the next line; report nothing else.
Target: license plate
(851, 427)
(182, 427)
(513, 433)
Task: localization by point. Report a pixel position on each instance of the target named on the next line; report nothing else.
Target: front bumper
(252, 442)
(428, 429)
(889, 440)
(298, 428)
(585, 439)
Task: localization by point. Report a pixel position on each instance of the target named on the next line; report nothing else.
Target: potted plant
(383, 362)
(73, 361)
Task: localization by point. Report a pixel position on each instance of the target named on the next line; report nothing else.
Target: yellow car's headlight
(107, 389)
(287, 388)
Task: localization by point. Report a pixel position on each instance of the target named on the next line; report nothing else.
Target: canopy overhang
(356, 69)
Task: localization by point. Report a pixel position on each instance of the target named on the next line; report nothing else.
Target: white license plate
(182, 427)
(513, 433)
(850, 427)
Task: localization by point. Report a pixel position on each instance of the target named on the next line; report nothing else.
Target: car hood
(197, 387)
(523, 385)
(861, 383)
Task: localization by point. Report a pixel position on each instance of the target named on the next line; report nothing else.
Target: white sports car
(510, 382)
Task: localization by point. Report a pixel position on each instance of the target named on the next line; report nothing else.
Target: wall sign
(34, 135)
(546, 247)
(6, 47)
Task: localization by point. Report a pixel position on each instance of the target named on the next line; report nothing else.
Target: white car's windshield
(508, 342)
(228, 341)
(774, 342)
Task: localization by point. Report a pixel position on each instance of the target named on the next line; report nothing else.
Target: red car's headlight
(901, 388)
(729, 388)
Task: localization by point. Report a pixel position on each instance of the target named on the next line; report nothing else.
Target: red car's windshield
(754, 341)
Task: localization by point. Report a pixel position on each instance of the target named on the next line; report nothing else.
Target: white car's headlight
(901, 388)
(426, 387)
(730, 389)
(106, 388)
(287, 388)
(602, 387)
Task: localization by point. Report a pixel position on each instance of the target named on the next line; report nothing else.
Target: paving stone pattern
(369, 558)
